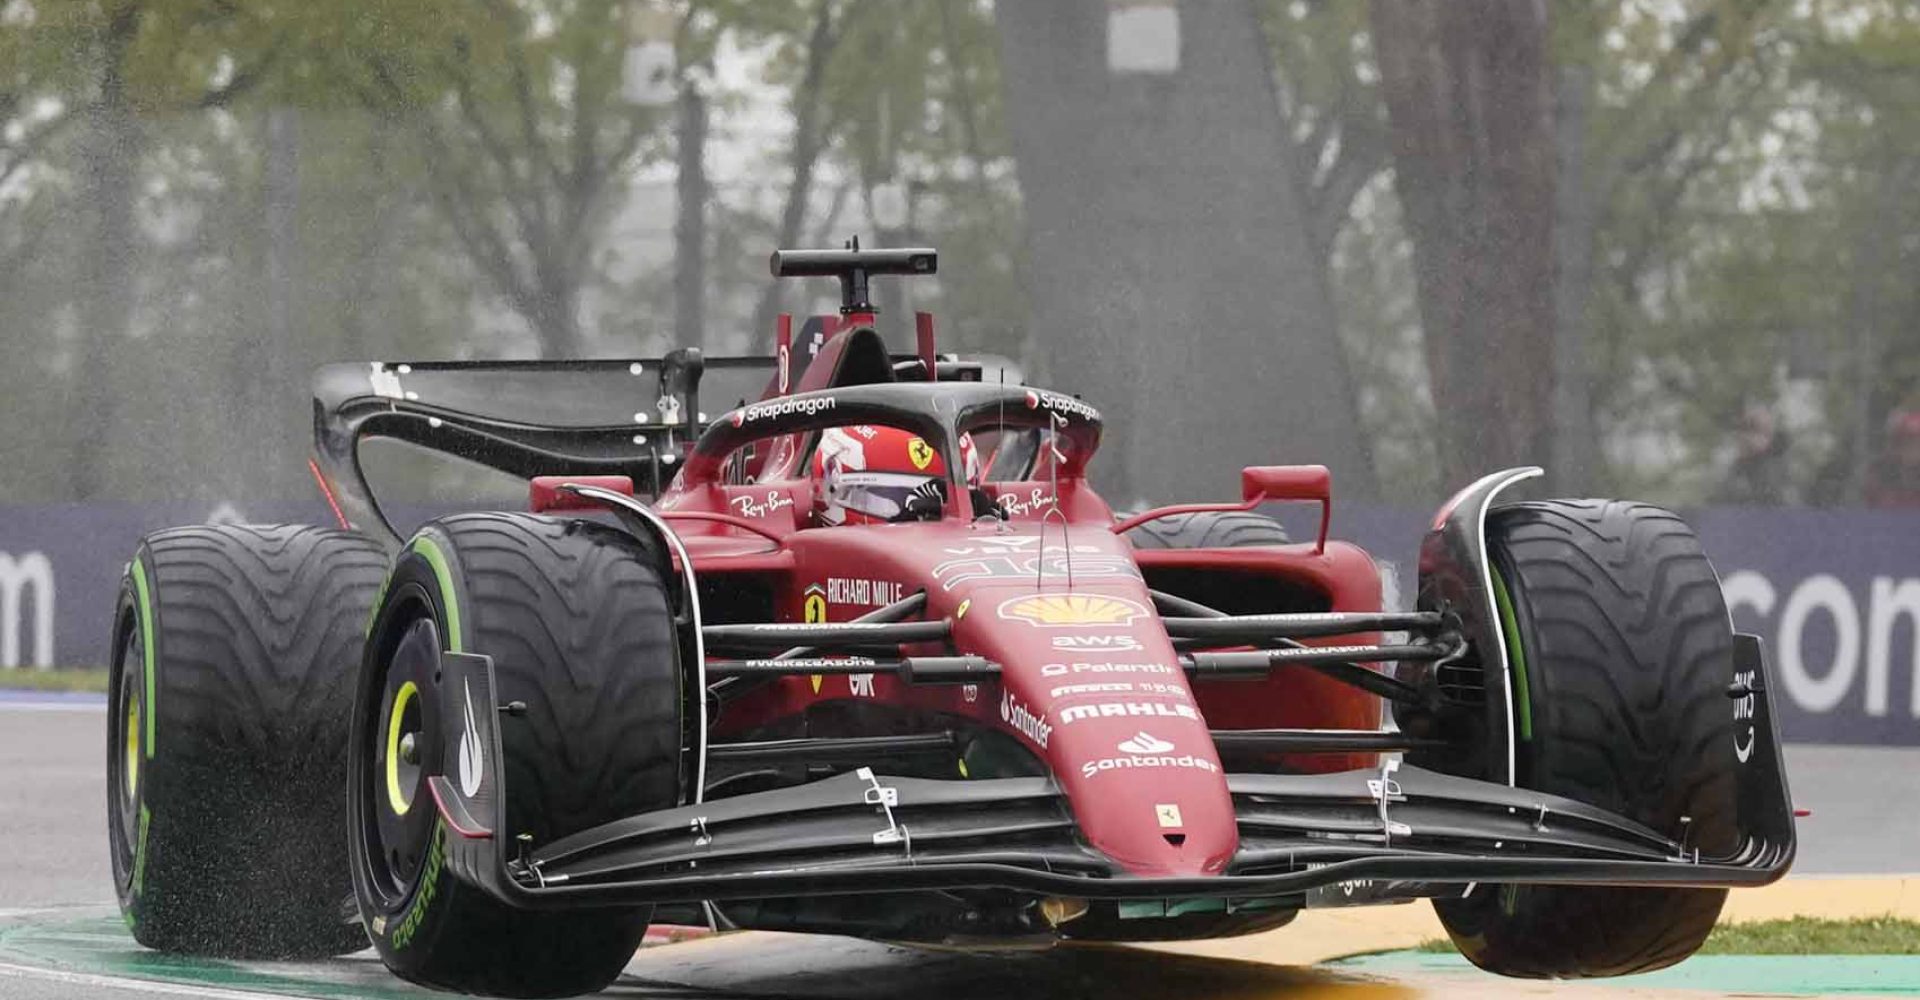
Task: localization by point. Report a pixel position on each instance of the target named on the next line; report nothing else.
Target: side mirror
(1260, 483)
(544, 492)
(1285, 482)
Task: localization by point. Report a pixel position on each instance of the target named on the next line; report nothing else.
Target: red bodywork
(1089, 681)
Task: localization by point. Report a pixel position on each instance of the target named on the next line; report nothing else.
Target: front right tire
(576, 620)
(1621, 653)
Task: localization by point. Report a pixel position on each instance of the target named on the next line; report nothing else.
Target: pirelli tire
(231, 685)
(576, 619)
(1621, 654)
(1212, 529)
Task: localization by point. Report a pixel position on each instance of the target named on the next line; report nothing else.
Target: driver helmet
(870, 474)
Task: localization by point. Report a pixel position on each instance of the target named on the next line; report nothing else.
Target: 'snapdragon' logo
(1070, 610)
(783, 407)
(1067, 406)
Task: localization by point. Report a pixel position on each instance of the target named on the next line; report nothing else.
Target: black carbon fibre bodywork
(1400, 832)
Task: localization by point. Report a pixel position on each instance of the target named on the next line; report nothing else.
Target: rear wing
(627, 417)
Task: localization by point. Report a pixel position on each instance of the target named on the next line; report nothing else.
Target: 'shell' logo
(1066, 610)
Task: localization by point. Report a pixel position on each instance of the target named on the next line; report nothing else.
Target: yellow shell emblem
(1055, 610)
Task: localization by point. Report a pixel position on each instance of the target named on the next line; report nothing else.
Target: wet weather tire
(576, 619)
(1621, 655)
(235, 650)
(1213, 529)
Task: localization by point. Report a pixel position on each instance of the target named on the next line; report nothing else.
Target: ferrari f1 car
(995, 713)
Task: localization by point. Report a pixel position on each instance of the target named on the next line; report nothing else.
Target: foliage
(474, 178)
(88, 679)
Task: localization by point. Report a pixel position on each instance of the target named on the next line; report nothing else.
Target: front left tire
(576, 619)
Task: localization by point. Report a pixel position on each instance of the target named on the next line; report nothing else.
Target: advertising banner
(1835, 594)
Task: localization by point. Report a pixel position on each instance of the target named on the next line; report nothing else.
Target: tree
(1170, 251)
(135, 57)
(1469, 94)
(527, 138)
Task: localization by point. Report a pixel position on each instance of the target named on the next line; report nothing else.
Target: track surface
(55, 892)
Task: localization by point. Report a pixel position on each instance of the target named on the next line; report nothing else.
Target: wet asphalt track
(56, 899)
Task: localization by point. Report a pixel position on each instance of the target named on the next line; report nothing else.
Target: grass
(57, 679)
(1810, 936)
(1798, 936)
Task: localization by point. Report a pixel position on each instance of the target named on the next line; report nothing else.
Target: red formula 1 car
(875, 659)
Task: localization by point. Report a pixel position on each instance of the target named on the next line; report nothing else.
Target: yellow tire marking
(133, 749)
(397, 797)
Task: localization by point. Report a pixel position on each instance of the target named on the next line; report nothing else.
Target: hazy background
(1665, 248)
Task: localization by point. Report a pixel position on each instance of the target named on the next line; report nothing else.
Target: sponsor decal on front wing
(1743, 713)
(471, 761)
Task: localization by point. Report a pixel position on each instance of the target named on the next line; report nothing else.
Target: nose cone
(1145, 783)
(1090, 682)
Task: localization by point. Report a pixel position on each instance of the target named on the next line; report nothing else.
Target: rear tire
(1621, 654)
(576, 619)
(1211, 529)
(227, 747)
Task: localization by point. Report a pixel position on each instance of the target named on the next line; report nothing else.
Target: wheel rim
(403, 753)
(405, 749)
(132, 784)
(126, 756)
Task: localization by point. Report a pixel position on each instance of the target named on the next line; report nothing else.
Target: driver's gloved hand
(925, 502)
(984, 505)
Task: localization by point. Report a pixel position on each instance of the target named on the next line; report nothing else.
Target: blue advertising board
(1835, 594)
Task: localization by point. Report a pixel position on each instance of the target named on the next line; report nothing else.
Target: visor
(876, 494)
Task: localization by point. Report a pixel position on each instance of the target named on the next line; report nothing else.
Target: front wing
(1399, 832)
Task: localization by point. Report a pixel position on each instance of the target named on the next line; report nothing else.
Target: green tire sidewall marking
(404, 931)
(140, 853)
(379, 601)
(1516, 654)
(437, 559)
(408, 925)
(144, 598)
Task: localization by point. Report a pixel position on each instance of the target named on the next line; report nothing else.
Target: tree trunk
(1174, 282)
(690, 224)
(1470, 105)
(809, 140)
(1575, 448)
(109, 250)
(554, 311)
